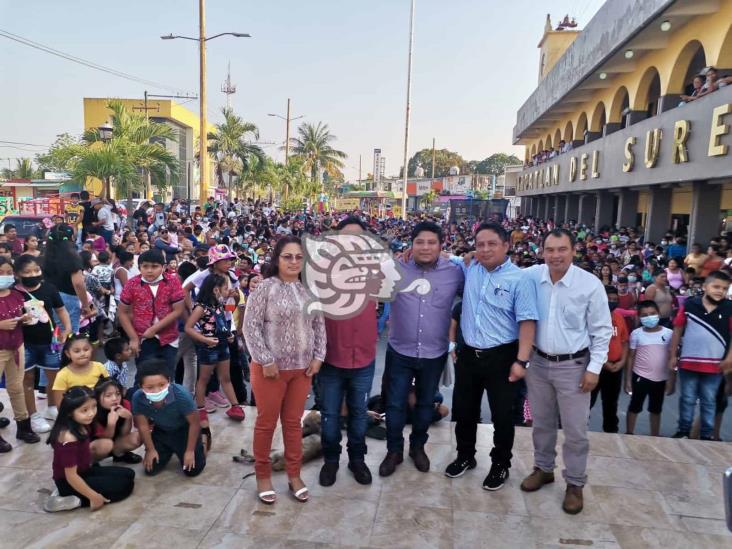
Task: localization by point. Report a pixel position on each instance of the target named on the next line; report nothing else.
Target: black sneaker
(681, 434)
(496, 478)
(458, 467)
(127, 457)
(360, 472)
(328, 473)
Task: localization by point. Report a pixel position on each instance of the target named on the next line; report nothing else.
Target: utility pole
(359, 169)
(203, 137)
(433, 158)
(287, 133)
(409, 107)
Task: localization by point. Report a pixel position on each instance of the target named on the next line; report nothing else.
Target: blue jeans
(355, 385)
(107, 235)
(73, 307)
(399, 371)
(696, 385)
(151, 348)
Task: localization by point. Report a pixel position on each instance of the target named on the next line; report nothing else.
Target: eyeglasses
(289, 258)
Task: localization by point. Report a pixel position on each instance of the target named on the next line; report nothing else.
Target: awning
(49, 185)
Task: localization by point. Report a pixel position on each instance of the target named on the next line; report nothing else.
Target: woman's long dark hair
(74, 398)
(273, 268)
(61, 254)
(86, 258)
(102, 385)
(206, 295)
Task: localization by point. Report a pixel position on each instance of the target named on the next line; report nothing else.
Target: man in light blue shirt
(498, 323)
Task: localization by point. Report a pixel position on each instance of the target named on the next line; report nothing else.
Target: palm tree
(313, 146)
(133, 156)
(23, 170)
(234, 153)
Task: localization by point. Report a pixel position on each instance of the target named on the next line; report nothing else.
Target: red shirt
(98, 429)
(619, 338)
(70, 454)
(146, 307)
(11, 306)
(351, 343)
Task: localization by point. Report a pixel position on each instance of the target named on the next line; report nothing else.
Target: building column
(659, 214)
(592, 136)
(524, 206)
(603, 210)
(610, 127)
(561, 209)
(635, 116)
(571, 210)
(627, 209)
(586, 209)
(546, 208)
(705, 208)
(536, 206)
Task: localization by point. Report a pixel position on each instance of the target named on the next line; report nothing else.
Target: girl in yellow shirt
(77, 367)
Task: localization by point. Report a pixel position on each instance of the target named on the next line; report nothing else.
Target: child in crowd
(702, 327)
(11, 339)
(77, 366)
(170, 409)
(113, 434)
(42, 300)
(117, 350)
(103, 272)
(78, 483)
(647, 374)
(611, 375)
(150, 305)
(208, 327)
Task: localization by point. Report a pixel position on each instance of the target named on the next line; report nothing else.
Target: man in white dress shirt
(572, 337)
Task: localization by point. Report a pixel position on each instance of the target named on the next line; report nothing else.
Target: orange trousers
(282, 398)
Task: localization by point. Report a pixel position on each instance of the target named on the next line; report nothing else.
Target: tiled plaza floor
(643, 492)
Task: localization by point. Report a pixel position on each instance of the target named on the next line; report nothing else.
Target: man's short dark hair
(717, 275)
(559, 233)
(151, 256)
(495, 227)
(8, 227)
(427, 226)
(74, 195)
(351, 220)
(152, 367)
(114, 347)
(84, 195)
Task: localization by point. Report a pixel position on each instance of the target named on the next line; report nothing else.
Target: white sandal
(268, 497)
(302, 495)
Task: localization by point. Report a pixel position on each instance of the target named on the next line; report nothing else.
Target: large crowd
(207, 300)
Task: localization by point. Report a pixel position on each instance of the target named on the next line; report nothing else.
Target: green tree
(313, 146)
(232, 149)
(61, 154)
(444, 160)
(495, 164)
(24, 169)
(427, 199)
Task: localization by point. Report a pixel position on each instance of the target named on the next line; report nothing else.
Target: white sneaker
(38, 424)
(51, 413)
(55, 504)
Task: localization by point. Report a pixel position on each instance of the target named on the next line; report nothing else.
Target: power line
(20, 143)
(86, 63)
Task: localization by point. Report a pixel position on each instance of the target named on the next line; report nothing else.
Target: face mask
(632, 279)
(613, 305)
(6, 281)
(158, 279)
(159, 396)
(649, 321)
(29, 281)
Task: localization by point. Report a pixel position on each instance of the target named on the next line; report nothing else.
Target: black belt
(480, 352)
(561, 358)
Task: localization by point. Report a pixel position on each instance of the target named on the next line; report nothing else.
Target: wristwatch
(523, 363)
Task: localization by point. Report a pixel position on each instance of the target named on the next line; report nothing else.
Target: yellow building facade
(607, 125)
(185, 124)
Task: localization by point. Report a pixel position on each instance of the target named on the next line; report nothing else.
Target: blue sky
(342, 62)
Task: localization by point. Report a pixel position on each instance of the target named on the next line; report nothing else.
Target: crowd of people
(208, 302)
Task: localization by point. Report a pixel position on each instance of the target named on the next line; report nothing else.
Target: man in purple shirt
(418, 342)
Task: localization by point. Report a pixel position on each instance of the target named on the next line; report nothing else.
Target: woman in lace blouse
(287, 348)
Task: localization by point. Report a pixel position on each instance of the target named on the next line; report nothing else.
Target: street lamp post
(105, 134)
(409, 108)
(287, 120)
(202, 39)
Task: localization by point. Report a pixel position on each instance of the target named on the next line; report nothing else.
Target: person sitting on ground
(177, 428)
(112, 428)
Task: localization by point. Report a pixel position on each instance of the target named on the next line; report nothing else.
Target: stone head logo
(345, 271)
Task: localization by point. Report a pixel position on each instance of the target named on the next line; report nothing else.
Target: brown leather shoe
(389, 465)
(420, 459)
(573, 501)
(536, 480)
